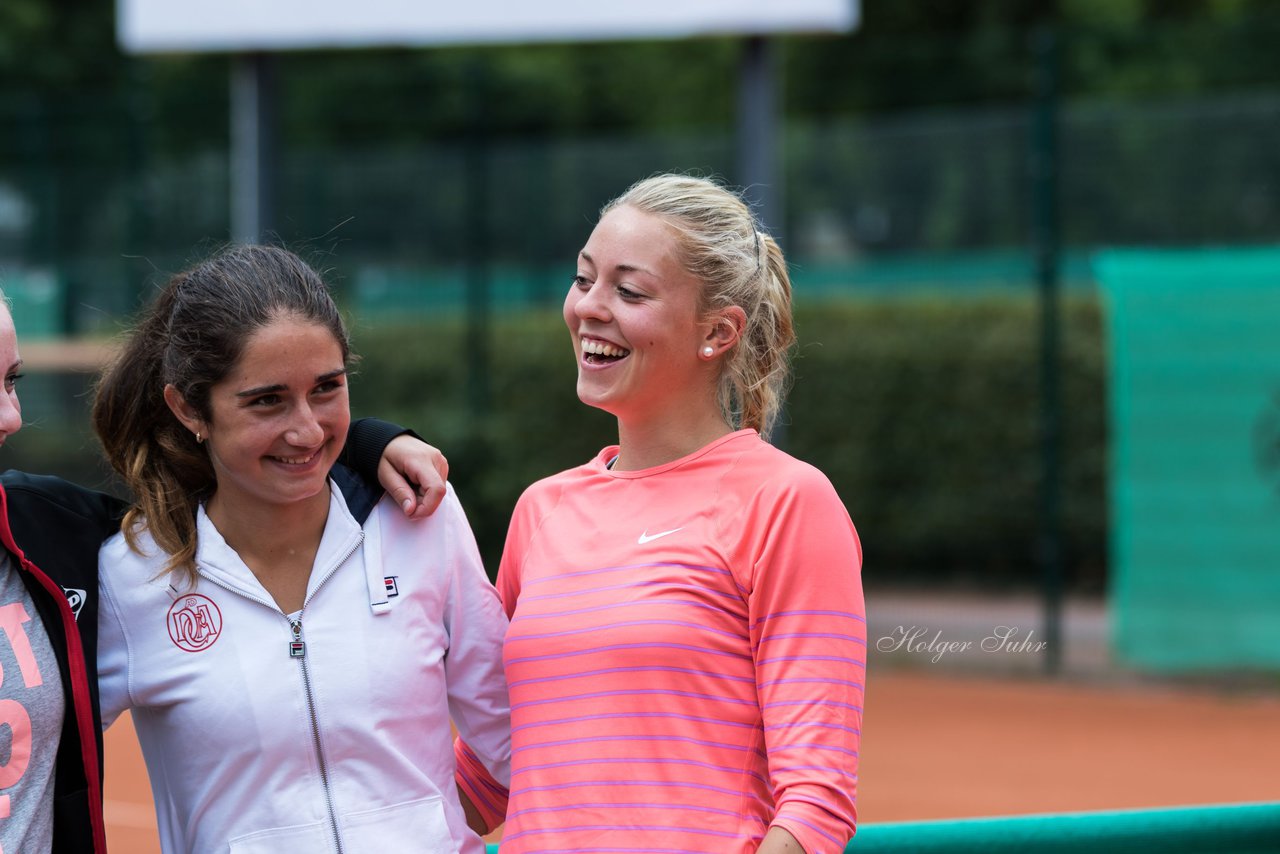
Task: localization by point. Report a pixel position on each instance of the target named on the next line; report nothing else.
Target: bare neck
(277, 543)
(656, 442)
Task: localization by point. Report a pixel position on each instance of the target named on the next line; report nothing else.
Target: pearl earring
(199, 438)
(708, 351)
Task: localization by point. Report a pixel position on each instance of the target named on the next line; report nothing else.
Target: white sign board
(158, 26)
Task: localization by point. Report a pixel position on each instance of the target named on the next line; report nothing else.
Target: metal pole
(1045, 238)
(138, 115)
(477, 249)
(758, 112)
(759, 166)
(253, 156)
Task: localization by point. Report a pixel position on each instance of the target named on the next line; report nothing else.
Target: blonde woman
(687, 648)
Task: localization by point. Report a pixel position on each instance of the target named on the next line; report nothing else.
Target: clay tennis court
(946, 746)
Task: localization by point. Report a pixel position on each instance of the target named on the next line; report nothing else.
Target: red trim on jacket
(79, 676)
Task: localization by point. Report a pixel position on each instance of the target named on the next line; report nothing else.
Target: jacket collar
(220, 563)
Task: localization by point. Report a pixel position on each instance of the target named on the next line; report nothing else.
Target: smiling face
(634, 318)
(279, 418)
(11, 363)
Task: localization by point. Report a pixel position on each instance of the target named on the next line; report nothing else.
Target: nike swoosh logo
(647, 537)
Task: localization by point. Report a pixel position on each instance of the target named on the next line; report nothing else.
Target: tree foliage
(903, 55)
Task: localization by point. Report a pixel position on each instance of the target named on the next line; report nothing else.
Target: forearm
(386, 455)
(475, 821)
(486, 798)
(779, 841)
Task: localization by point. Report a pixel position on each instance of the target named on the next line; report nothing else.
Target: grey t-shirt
(32, 707)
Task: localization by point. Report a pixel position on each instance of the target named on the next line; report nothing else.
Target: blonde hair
(722, 246)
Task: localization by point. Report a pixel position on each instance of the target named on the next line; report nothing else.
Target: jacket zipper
(298, 650)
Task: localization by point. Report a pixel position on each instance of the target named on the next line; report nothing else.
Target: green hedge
(923, 411)
(56, 437)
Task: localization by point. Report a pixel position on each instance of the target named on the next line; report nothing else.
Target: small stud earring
(199, 438)
(708, 351)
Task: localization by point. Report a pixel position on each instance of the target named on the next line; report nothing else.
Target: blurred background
(1034, 260)
(1036, 256)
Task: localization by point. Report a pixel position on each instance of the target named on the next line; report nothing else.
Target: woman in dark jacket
(51, 783)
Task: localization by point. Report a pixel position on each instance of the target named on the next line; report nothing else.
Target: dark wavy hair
(192, 336)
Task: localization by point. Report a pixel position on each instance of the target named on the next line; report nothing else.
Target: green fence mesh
(1195, 467)
(37, 296)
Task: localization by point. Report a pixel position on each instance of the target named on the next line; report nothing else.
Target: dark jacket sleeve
(366, 440)
(56, 527)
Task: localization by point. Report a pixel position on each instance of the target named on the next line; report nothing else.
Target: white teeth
(600, 348)
(295, 461)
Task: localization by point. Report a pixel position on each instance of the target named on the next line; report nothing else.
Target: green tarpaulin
(1195, 456)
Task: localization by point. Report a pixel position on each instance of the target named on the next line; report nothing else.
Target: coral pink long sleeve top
(686, 657)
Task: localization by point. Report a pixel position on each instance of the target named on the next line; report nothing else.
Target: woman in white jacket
(292, 647)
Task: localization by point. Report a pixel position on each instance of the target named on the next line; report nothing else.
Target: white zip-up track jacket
(321, 731)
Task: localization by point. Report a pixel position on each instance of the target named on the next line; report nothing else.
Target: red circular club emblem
(194, 622)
